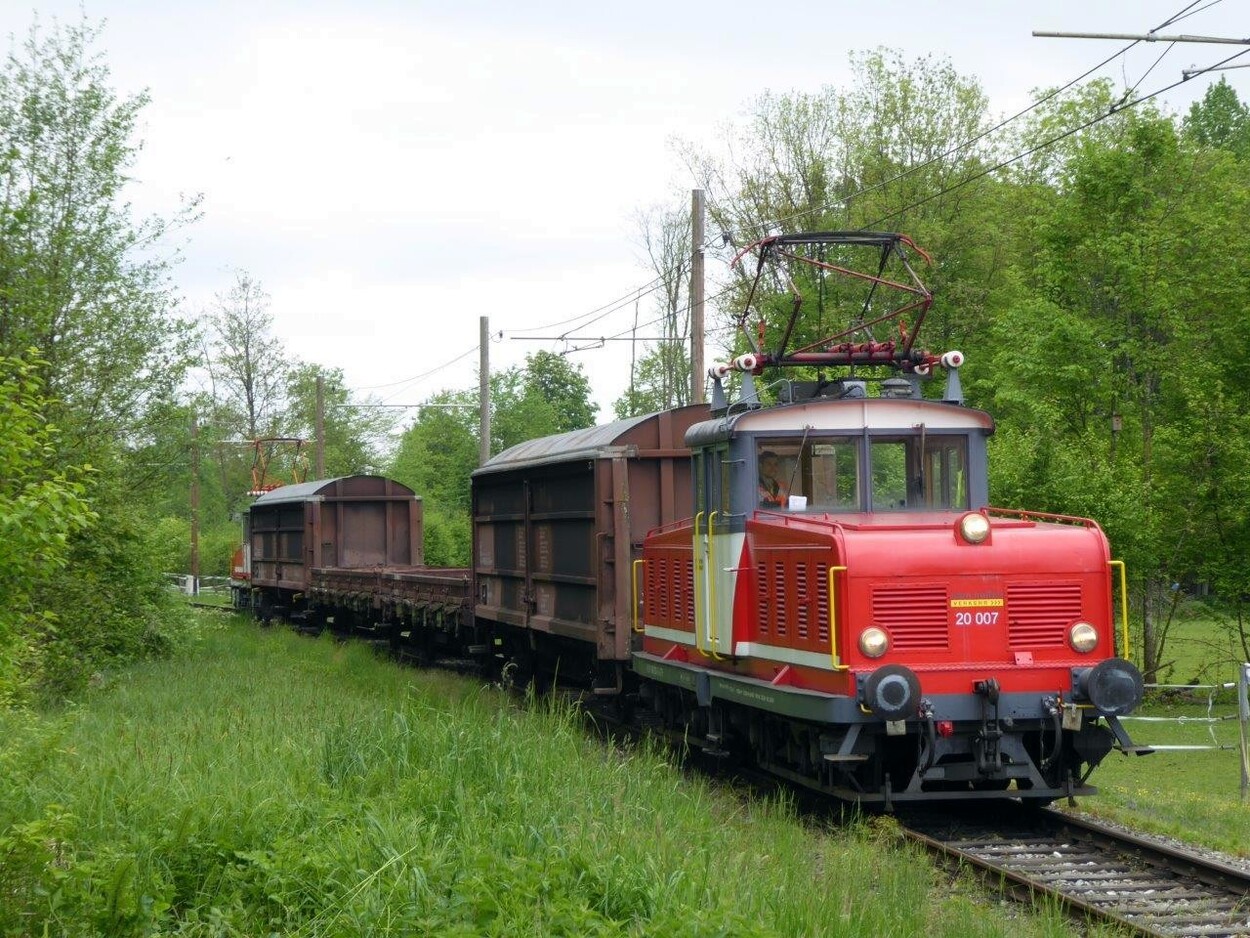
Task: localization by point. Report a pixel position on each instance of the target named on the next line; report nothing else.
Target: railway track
(1094, 871)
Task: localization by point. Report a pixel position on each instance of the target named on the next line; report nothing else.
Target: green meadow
(264, 784)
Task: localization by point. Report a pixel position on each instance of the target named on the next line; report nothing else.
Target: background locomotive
(817, 587)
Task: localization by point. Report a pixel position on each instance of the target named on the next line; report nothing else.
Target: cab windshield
(919, 472)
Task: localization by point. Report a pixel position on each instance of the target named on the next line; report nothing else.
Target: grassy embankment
(1193, 795)
(268, 784)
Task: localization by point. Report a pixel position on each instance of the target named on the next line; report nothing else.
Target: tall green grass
(266, 784)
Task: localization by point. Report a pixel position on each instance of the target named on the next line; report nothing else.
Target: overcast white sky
(391, 170)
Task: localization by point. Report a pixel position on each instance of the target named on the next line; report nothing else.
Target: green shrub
(448, 537)
(172, 544)
(42, 506)
(108, 606)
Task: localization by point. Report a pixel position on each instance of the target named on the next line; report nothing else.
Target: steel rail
(1094, 871)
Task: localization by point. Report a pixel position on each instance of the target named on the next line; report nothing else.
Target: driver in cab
(774, 490)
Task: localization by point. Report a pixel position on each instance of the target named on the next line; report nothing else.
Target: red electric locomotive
(845, 610)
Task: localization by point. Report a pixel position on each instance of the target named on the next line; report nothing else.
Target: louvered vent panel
(801, 597)
(1039, 614)
(822, 605)
(764, 598)
(651, 600)
(687, 607)
(779, 610)
(663, 611)
(915, 616)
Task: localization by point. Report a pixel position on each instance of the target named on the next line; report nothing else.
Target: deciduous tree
(85, 303)
(82, 281)
(660, 376)
(248, 363)
(356, 431)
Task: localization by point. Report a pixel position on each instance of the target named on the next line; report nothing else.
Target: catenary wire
(1187, 13)
(435, 370)
(1184, 12)
(1050, 141)
(627, 298)
(426, 374)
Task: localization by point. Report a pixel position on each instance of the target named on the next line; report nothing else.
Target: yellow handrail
(711, 579)
(698, 587)
(1123, 605)
(833, 622)
(633, 583)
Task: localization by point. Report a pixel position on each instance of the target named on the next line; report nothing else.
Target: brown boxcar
(351, 522)
(559, 520)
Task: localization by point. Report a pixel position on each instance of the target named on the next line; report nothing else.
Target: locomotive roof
(848, 415)
(304, 491)
(607, 439)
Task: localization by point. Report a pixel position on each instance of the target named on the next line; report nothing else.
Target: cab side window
(834, 471)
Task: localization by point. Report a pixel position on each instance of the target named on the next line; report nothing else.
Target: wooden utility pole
(484, 389)
(696, 297)
(320, 451)
(195, 504)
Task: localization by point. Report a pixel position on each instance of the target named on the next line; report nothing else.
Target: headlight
(974, 527)
(1083, 637)
(873, 642)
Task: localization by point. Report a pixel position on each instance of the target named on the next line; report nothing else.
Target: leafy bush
(172, 543)
(41, 508)
(110, 603)
(448, 537)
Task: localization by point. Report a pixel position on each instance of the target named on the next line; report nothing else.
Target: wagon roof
(304, 491)
(576, 444)
(608, 439)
